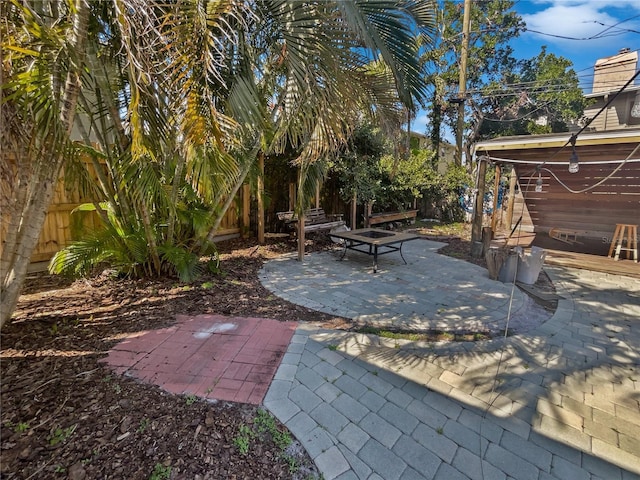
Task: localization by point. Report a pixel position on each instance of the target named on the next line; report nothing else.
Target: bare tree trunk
(225, 207)
(149, 234)
(32, 213)
(32, 219)
(175, 188)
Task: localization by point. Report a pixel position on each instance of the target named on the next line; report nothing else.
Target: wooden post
(496, 189)
(476, 227)
(300, 224)
(292, 196)
(301, 238)
(512, 197)
(487, 235)
(246, 209)
(367, 214)
(462, 83)
(261, 198)
(318, 195)
(354, 211)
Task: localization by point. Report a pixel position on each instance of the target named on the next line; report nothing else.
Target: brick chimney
(611, 73)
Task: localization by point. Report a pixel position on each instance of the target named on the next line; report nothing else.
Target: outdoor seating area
(342, 240)
(373, 242)
(315, 219)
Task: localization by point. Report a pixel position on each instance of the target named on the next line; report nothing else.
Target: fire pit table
(373, 241)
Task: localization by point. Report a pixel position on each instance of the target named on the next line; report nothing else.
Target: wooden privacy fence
(57, 231)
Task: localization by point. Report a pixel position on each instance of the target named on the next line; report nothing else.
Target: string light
(538, 188)
(574, 166)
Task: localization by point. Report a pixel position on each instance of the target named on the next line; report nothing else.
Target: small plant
(117, 388)
(333, 348)
(207, 285)
(292, 463)
(21, 427)
(447, 336)
(61, 435)
(144, 423)
(59, 469)
(242, 440)
(191, 399)
(242, 444)
(375, 372)
(281, 439)
(439, 430)
(160, 472)
(265, 422)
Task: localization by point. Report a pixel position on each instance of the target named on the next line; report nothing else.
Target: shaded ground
(64, 415)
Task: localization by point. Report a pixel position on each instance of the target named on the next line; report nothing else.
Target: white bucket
(529, 266)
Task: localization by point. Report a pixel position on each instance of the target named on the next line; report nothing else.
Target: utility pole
(462, 89)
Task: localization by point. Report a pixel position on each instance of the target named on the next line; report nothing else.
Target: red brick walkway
(211, 356)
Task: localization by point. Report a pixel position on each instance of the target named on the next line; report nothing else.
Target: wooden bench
(315, 219)
(386, 217)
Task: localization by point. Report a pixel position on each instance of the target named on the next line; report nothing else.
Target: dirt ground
(64, 415)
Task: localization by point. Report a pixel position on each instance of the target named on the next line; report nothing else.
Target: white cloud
(596, 4)
(419, 124)
(601, 21)
(569, 21)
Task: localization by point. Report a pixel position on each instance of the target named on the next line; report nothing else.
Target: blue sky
(580, 30)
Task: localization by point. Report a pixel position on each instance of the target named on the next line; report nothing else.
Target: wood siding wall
(593, 214)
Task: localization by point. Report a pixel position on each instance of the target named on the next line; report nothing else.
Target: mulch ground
(65, 415)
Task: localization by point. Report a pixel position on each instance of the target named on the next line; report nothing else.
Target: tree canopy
(505, 95)
(173, 103)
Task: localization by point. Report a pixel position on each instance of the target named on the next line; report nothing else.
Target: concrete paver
(559, 400)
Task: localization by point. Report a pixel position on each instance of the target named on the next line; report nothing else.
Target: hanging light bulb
(573, 163)
(539, 183)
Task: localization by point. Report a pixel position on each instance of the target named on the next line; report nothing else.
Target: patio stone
(562, 405)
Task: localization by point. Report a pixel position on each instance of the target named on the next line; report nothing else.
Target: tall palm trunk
(31, 215)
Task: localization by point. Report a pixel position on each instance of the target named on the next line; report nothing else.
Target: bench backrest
(313, 215)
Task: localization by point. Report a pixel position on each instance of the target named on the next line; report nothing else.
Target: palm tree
(41, 84)
(182, 97)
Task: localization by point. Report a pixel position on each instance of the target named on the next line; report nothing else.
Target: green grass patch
(428, 336)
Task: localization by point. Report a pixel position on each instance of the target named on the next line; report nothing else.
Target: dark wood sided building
(579, 211)
(574, 211)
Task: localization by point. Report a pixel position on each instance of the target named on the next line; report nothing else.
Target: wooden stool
(619, 238)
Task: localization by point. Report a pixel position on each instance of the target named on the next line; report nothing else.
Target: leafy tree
(490, 58)
(371, 171)
(505, 96)
(358, 165)
(443, 192)
(543, 97)
(405, 179)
